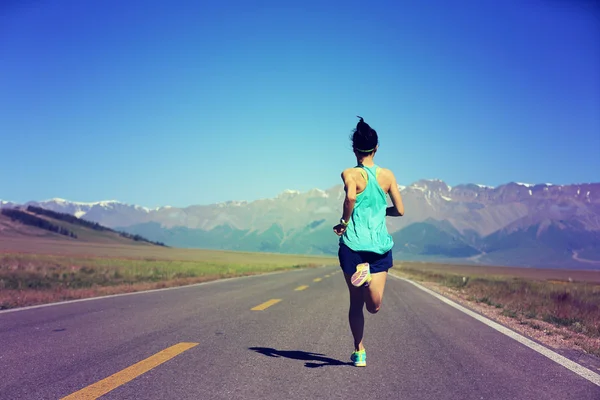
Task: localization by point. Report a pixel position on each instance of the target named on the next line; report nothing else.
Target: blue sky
(189, 102)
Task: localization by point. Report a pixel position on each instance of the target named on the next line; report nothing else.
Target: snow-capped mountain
(4, 203)
(110, 212)
(469, 215)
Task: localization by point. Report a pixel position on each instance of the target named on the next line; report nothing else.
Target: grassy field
(563, 303)
(534, 274)
(566, 300)
(42, 271)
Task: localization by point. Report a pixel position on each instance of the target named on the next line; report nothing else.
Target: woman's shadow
(313, 360)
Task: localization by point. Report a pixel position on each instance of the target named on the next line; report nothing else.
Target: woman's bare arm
(349, 200)
(398, 209)
(350, 188)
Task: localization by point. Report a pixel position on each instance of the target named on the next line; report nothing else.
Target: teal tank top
(367, 230)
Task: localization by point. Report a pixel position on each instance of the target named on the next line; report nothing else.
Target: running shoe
(359, 358)
(362, 276)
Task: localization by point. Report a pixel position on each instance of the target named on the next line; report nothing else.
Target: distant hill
(431, 238)
(38, 222)
(31, 221)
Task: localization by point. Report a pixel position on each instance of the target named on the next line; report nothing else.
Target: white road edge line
(59, 303)
(565, 362)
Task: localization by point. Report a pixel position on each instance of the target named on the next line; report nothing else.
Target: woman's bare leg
(373, 294)
(355, 313)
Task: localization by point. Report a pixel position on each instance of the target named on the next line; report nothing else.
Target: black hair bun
(362, 126)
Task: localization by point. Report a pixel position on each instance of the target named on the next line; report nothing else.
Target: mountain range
(515, 224)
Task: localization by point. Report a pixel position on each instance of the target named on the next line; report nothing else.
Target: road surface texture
(278, 336)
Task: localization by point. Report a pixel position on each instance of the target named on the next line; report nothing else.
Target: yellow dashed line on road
(317, 280)
(106, 385)
(265, 305)
(299, 288)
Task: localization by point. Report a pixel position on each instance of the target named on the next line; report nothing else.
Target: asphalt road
(297, 348)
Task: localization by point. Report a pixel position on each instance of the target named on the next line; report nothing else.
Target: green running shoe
(359, 358)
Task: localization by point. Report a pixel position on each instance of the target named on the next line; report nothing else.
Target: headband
(365, 151)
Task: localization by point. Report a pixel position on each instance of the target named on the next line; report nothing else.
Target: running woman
(365, 251)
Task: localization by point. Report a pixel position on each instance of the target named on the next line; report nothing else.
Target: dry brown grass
(539, 299)
(21, 298)
(536, 274)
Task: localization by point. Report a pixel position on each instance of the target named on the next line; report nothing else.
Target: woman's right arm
(398, 209)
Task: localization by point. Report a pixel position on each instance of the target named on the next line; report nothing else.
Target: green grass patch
(34, 277)
(509, 313)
